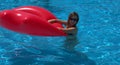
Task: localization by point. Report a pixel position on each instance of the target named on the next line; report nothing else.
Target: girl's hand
(52, 20)
(60, 28)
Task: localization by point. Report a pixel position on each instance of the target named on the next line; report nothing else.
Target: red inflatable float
(30, 20)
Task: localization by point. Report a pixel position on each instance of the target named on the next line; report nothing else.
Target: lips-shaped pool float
(30, 20)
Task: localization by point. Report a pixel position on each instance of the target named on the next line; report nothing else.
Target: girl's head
(73, 19)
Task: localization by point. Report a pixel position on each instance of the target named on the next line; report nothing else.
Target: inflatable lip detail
(39, 11)
(30, 20)
(11, 20)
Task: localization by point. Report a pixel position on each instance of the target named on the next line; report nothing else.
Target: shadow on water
(67, 56)
(75, 57)
(71, 56)
(23, 57)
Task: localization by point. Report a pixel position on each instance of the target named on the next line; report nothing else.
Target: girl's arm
(57, 20)
(68, 30)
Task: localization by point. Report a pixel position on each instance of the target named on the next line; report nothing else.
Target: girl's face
(72, 21)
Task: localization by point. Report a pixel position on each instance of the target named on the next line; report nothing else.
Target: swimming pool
(97, 41)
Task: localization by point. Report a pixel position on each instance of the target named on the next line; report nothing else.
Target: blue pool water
(97, 41)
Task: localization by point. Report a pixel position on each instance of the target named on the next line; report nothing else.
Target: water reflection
(22, 57)
(70, 56)
(74, 56)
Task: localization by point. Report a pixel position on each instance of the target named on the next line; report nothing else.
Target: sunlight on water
(97, 41)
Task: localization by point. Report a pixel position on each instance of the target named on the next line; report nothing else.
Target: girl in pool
(70, 24)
